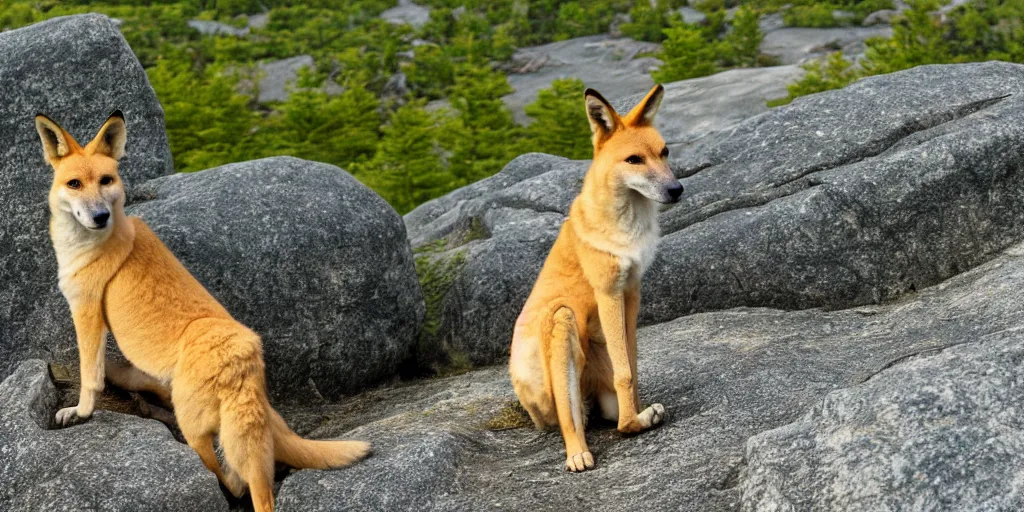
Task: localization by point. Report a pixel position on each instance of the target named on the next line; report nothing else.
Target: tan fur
(576, 336)
(183, 345)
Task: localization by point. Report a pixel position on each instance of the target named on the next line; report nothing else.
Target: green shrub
(431, 73)
(743, 41)
(407, 168)
(311, 124)
(207, 121)
(834, 73)
(691, 51)
(817, 15)
(483, 137)
(647, 22)
(575, 21)
(685, 54)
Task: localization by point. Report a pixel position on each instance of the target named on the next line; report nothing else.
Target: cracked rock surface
(922, 383)
(843, 198)
(943, 432)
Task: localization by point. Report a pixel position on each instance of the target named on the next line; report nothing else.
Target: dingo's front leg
(92, 344)
(632, 310)
(654, 414)
(612, 311)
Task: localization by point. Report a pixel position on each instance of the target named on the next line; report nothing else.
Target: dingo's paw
(655, 414)
(647, 418)
(69, 416)
(579, 462)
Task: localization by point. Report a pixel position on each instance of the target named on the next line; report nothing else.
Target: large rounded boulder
(305, 255)
(76, 70)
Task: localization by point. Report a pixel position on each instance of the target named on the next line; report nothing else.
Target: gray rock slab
(216, 28)
(276, 77)
(615, 66)
(794, 45)
(407, 13)
(706, 108)
(942, 431)
(884, 375)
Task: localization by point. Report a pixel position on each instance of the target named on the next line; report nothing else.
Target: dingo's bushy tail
(301, 453)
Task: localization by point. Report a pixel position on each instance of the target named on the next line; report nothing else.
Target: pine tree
(685, 54)
(207, 120)
(483, 136)
(559, 124)
(745, 38)
(338, 129)
(648, 22)
(407, 168)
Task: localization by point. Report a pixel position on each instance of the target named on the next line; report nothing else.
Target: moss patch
(509, 417)
(476, 231)
(437, 274)
(458, 363)
(437, 271)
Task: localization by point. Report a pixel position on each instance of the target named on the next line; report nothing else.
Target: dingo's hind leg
(199, 420)
(126, 376)
(203, 445)
(566, 365)
(530, 381)
(248, 444)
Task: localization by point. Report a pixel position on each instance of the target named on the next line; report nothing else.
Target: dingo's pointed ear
(111, 138)
(57, 142)
(603, 119)
(643, 113)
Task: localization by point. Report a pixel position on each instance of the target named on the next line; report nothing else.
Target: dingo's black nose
(100, 219)
(674, 191)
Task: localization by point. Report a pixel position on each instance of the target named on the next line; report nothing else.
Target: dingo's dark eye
(106, 180)
(664, 152)
(634, 160)
(74, 184)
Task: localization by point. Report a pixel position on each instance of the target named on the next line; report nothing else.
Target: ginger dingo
(118, 276)
(576, 336)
